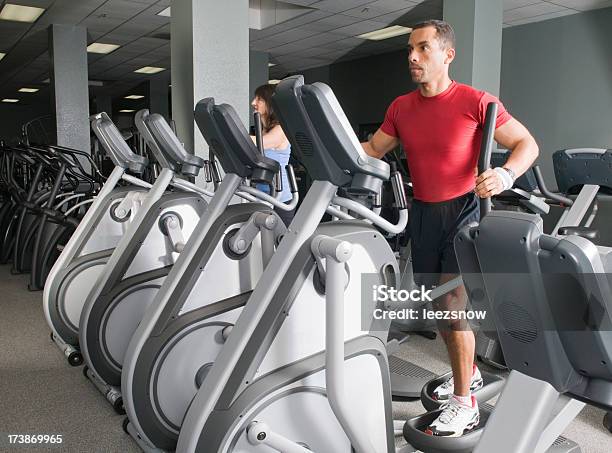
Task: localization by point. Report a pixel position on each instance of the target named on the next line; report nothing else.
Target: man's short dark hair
(444, 32)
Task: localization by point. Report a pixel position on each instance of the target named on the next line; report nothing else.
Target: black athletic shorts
(433, 227)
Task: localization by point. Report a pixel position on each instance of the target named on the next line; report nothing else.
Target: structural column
(210, 58)
(69, 85)
(478, 31)
(258, 72)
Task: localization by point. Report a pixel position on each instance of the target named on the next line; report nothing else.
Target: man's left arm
(524, 151)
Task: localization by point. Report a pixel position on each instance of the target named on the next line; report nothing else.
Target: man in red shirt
(440, 127)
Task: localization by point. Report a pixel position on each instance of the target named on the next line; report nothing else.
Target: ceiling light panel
(19, 13)
(149, 70)
(386, 33)
(98, 47)
(165, 12)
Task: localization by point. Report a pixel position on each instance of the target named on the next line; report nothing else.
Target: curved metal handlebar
(545, 191)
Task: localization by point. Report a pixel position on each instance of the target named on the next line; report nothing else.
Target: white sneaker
(444, 391)
(455, 419)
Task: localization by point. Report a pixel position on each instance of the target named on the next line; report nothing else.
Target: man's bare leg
(458, 336)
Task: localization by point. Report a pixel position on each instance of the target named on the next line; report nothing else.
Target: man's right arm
(380, 144)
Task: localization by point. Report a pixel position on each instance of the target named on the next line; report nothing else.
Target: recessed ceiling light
(271, 64)
(385, 33)
(2, 55)
(164, 12)
(126, 111)
(273, 81)
(98, 47)
(12, 101)
(19, 13)
(95, 83)
(134, 96)
(28, 90)
(149, 70)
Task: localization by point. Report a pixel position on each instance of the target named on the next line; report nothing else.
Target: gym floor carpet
(41, 394)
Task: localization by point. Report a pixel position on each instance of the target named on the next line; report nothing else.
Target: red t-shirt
(441, 137)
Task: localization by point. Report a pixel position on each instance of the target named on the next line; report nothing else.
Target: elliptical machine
(584, 172)
(84, 255)
(553, 322)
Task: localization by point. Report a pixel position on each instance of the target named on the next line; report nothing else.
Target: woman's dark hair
(265, 92)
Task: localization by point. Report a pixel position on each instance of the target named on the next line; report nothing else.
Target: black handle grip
(258, 132)
(207, 171)
(486, 149)
(377, 202)
(397, 182)
(278, 181)
(216, 175)
(291, 177)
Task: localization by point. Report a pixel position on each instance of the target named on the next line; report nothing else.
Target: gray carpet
(41, 394)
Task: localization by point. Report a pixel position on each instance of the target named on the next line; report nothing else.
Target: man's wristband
(506, 178)
(511, 173)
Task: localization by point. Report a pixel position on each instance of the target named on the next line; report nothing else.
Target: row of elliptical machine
(115, 309)
(48, 189)
(175, 348)
(193, 314)
(116, 212)
(120, 273)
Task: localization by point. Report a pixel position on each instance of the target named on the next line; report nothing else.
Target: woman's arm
(275, 138)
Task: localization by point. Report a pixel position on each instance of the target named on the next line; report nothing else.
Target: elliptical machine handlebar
(258, 132)
(207, 171)
(397, 183)
(214, 170)
(486, 150)
(373, 216)
(244, 189)
(546, 192)
(291, 177)
(75, 153)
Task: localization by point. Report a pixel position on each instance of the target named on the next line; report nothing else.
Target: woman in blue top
(275, 143)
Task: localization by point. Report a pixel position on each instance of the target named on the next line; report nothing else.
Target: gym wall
(557, 78)
(365, 87)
